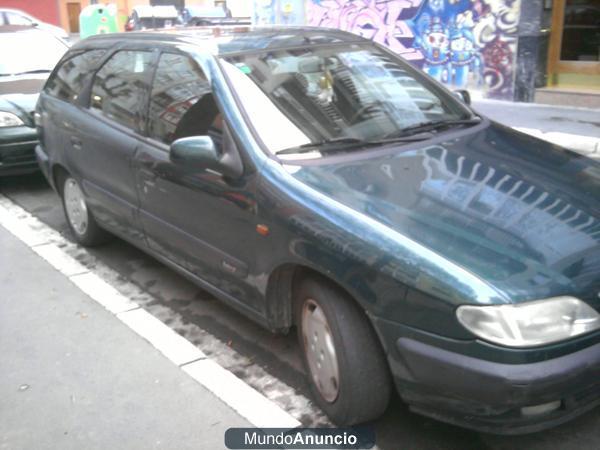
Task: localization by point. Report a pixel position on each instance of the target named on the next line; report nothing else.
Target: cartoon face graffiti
(435, 43)
(434, 46)
(463, 56)
(436, 6)
(461, 44)
(437, 40)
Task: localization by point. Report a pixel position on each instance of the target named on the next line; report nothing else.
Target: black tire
(92, 235)
(364, 385)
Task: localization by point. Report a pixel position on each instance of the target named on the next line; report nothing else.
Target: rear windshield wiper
(348, 143)
(431, 126)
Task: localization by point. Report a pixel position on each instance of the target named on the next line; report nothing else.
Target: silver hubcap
(75, 206)
(320, 350)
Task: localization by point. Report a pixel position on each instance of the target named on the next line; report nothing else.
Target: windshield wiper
(324, 145)
(431, 126)
(348, 143)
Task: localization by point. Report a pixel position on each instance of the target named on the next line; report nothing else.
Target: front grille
(21, 154)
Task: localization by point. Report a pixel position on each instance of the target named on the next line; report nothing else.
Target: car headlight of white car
(530, 324)
(8, 119)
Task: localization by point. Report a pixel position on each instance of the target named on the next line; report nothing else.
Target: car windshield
(29, 53)
(343, 94)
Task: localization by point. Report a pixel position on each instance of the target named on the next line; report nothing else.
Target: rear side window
(182, 103)
(67, 82)
(120, 86)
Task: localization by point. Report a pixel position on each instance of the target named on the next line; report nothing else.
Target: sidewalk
(73, 376)
(574, 128)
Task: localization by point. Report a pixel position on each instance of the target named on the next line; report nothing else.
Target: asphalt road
(268, 362)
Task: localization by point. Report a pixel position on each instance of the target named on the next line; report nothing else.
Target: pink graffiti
(383, 21)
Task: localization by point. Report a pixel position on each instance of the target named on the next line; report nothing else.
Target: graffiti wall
(468, 44)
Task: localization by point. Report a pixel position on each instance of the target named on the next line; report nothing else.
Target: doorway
(73, 11)
(574, 50)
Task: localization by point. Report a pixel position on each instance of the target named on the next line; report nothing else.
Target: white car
(17, 17)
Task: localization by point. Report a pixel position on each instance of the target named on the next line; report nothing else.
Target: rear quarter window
(67, 82)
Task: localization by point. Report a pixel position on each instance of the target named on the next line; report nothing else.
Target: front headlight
(532, 323)
(8, 119)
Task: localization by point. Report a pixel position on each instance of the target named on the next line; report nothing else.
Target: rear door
(59, 107)
(106, 137)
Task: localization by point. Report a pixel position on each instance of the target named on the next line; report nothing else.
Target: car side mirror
(464, 96)
(200, 152)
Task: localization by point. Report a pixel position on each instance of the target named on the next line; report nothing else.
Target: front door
(200, 220)
(73, 11)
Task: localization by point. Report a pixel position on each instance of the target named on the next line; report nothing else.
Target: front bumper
(492, 396)
(17, 150)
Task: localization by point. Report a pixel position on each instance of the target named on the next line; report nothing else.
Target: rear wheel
(80, 219)
(346, 365)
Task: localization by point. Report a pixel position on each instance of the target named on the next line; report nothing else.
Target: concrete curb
(47, 243)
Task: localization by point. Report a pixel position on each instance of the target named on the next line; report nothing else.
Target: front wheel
(81, 221)
(346, 365)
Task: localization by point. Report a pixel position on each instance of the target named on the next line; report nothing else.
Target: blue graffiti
(434, 44)
(464, 56)
(444, 34)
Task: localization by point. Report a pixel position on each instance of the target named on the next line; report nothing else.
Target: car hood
(30, 84)
(519, 213)
(19, 96)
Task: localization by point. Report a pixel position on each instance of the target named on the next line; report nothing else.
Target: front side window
(119, 87)
(182, 104)
(301, 97)
(67, 82)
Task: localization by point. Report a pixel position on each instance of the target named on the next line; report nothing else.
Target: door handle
(76, 143)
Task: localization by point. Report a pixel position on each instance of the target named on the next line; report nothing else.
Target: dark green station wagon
(313, 179)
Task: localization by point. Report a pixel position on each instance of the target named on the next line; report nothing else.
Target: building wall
(45, 10)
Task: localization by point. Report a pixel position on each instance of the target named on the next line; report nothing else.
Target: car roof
(228, 40)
